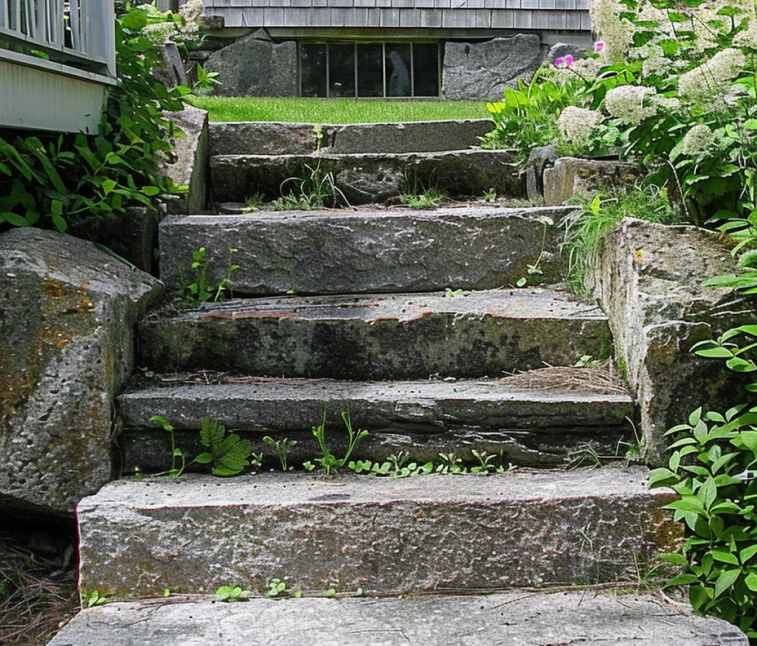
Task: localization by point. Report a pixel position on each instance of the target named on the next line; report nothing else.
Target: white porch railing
(79, 33)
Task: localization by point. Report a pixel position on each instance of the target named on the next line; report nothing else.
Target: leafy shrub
(712, 469)
(77, 182)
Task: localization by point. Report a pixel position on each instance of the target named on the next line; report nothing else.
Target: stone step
(139, 537)
(546, 427)
(398, 336)
(365, 178)
(505, 619)
(371, 251)
(274, 138)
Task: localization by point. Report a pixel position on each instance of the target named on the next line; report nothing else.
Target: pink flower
(564, 62)
(598, 47)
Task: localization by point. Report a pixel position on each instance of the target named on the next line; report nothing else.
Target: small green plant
(586, 228)
(201, 289)
(92, 598)
(228, 454)
(490, 196)
(316, 188)
(328, 461)
(450, 293)
(230, 593)
(276, 588)
(535, 269)
(450, 463)
(282, 449)
(431, 198)
(253, 203)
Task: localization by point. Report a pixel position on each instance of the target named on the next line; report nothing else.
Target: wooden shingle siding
(427, 14)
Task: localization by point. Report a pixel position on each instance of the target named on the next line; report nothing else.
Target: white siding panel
(342, 17)
(272, 17)
(483, 18)
(42, 100)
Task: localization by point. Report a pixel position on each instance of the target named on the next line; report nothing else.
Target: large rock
(254, 66)
(190, 164)
(482, 71)
(67, 313)
(571, 176)
(648, 279)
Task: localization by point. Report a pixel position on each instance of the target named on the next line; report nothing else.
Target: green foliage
(92, 598)
(430, 199)
(315, 189)
(282, 449)
(527, 117)
(718, 507)
(199, 288)
(328, 461)
(276, 588)
(231, 593)
(586, 228)
(77, 182)
(228, 453)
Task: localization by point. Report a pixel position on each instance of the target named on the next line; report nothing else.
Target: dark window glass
(426, 69)
(342, 70)
(370, 70)
(398, 69)
(313, 70)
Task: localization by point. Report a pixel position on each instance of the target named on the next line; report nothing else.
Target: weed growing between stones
(431, 198)
(198, 288)
(586, 228)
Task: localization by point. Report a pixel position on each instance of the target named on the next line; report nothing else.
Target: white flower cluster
(698, 141)
(626, 102)
(159, 32)
(577, 125)
(615, 33)
(190, 13)
(709, 83)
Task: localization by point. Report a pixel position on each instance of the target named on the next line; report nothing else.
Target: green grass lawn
(299, 110)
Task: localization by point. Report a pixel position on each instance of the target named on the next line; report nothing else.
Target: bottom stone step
(387, 535)
(513, 619)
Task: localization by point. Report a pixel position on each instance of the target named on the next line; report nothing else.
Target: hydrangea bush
(671, 84)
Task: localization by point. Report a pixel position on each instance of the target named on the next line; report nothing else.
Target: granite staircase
(413, 322)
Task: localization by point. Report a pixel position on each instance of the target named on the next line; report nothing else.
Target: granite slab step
(398, 336)
(139, 537)
(532, 427)
(275, 138)
(505, 619)
(368, 251)
(365, 178)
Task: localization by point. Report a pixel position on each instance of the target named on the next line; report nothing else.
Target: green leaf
(751, 581)
(151, 191)
(204, 458)
(725, 557)
(747, 553)
(708, 492)
(660, 477)
(726, 579)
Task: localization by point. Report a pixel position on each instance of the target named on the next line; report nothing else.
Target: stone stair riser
(366, 179)
(374, 251)
(383, 535)
(266, 138)
(438, 343)
(537, 428)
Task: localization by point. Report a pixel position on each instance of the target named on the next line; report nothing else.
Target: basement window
(369, 70)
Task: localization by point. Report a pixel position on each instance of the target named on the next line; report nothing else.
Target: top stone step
(273, 138)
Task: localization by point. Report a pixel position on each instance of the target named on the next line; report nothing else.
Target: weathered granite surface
(190, 165)
(482, 71)
(519, 528)
(503, 619)
(648, 279)
(67, 316)
(255, 66)
(346, 252)
(571, 176)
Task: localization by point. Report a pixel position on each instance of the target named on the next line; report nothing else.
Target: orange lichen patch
(667, 534)
(85, 305)
(56, 338)
(53, 288)
(638, 256)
